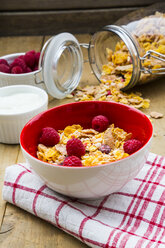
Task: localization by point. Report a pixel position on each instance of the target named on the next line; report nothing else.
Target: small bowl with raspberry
(19, 68)
(87, 149)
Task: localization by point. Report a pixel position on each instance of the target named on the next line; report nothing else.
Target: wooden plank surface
(11, 154)
(53, 22)
(51, 17)
(20, 229)
(65, 4)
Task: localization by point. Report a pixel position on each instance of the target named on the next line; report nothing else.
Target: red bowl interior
(125, 117)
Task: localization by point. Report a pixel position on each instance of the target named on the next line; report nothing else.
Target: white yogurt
(19, 103)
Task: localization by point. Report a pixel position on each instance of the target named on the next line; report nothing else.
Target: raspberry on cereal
(4, 68)
(72, 161)
(49, 136)
(132, 145)
(75, 147)
(16, 70)
(100, 123)
(4, 61)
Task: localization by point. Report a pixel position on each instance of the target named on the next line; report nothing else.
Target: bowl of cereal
(87, 149)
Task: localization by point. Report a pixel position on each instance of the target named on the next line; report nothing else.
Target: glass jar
(133, 53)
(124, 56)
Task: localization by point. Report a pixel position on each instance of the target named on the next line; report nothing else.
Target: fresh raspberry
(37, 57)
(4, 61)
(28, 69)
(109, 93)
(16, 70)
(4, 68)
(21, 57)
(32, 51)
(35, 68)
(19, 62)
(105, 149)
(75, 147)
(49, 136)
(30, 59)
(72, 161)
(100, 123)
(132, 145)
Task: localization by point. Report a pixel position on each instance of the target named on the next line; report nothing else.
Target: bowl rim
(12, 74)
(39, 91)
(99, 165)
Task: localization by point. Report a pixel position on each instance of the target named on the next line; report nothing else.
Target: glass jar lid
(61, 63)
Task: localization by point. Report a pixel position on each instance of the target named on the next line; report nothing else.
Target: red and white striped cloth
(133, 217)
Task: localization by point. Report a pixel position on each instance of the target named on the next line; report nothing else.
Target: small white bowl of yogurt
(18, 104)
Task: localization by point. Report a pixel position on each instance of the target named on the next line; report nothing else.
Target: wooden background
(49, 17)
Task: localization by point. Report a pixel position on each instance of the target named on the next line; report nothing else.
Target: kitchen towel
(132, 217)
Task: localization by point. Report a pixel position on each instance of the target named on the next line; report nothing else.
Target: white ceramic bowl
(88, 182)
(12, 124)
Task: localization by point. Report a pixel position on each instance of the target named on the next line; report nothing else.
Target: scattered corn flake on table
(21, 229)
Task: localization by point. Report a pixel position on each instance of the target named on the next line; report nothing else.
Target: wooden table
(20, 229)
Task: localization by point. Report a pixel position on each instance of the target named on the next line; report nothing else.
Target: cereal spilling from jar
(117, 73)
(75, 146)
(107, 92)
(112, 80)
(149, 34)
